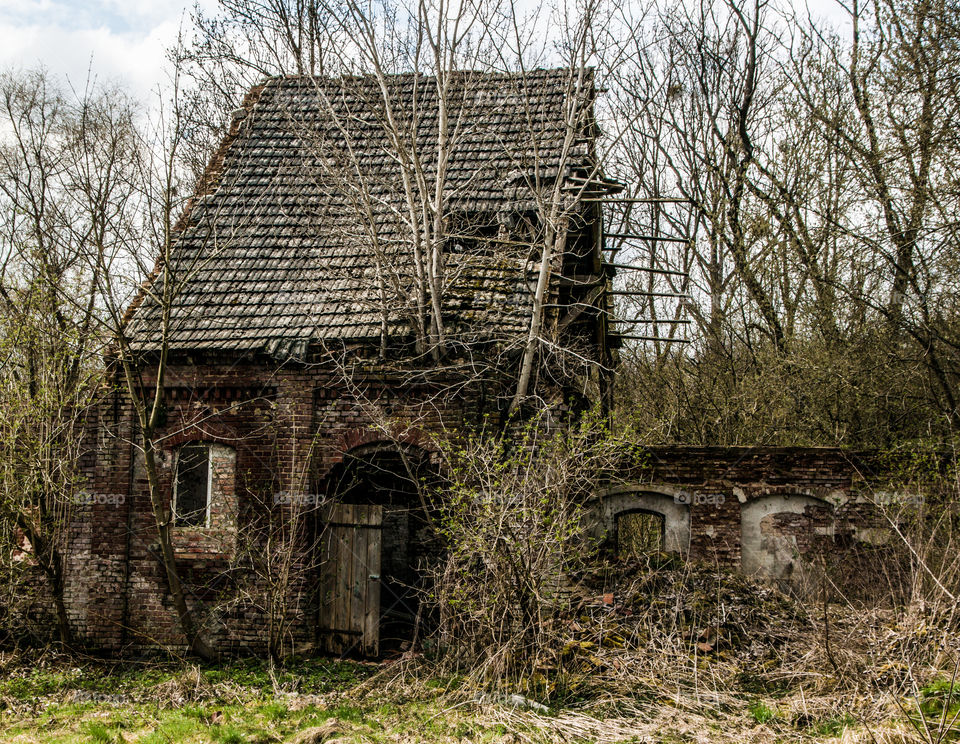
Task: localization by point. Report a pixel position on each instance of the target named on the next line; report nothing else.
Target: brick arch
(664, 501)
(353, 439)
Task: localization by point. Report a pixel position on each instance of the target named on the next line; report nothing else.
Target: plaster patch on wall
(873, 535)
(836, 497)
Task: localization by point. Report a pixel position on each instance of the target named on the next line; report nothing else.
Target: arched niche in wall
(781, 533)
(630, 507)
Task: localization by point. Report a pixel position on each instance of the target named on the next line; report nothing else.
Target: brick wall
(284, 431)
(786, 505)
(276, 434)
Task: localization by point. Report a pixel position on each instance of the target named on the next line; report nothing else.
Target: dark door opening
(385, 477)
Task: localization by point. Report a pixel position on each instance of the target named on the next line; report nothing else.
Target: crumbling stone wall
(779, 533)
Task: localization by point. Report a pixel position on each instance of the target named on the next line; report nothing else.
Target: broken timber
(649, 269)
(627, 236)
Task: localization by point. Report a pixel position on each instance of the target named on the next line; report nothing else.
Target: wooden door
(349, 616)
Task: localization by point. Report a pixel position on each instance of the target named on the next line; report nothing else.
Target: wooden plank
(644, 293)
(360, 571)
(655, 321)
(665, 339)
(346, 574)
(350, 598)
(650, 269)
(328, 587)
(321, 588)
(359, 579)
(371, 619)
(358, 555)
(628, 236)
(334, 614)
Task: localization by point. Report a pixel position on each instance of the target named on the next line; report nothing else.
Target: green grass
(834, 726)
(940, 695)
(314, 676)
(243, 702)
(99, 733)
(939, 703)
(274, 711)
(760, 712)
(228, 735)
(175, 726)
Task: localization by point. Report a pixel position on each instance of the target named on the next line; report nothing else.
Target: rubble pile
(658, 605)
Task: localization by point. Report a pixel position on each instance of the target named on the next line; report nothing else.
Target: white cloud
(116, 40)
(27, 7)
(134, 60)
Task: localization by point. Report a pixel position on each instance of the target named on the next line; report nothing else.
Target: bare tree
(511, 513)
(64, 176)
(781, 241)
(893, 120)
(232, 47)
(140, 364)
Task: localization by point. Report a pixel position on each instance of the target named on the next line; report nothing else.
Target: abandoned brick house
(295, 371)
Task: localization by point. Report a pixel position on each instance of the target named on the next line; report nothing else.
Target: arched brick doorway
(642, 517)
(377, 486)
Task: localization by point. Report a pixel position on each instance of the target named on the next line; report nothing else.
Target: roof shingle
(302, 217)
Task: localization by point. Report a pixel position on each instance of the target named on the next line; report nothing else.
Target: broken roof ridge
(520, 73)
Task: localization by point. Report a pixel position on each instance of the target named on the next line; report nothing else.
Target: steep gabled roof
(277, 251)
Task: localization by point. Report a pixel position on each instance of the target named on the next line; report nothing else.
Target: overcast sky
(120, 40)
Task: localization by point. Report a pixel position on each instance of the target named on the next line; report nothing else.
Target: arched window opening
(640, 534)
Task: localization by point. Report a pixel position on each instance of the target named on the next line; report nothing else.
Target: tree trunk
(50, 563)
(161, 513)
(552, 247)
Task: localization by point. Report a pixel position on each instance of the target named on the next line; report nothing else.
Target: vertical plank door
(349, 613)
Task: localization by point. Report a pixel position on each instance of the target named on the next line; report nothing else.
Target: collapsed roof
(300, 234)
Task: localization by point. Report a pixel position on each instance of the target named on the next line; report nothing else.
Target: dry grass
(683, 653)
(690, 653)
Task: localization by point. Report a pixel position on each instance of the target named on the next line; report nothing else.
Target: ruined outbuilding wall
(770, 511)
(277, 433)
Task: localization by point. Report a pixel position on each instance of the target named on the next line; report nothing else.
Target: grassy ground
(58, 699)
(683, 654)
